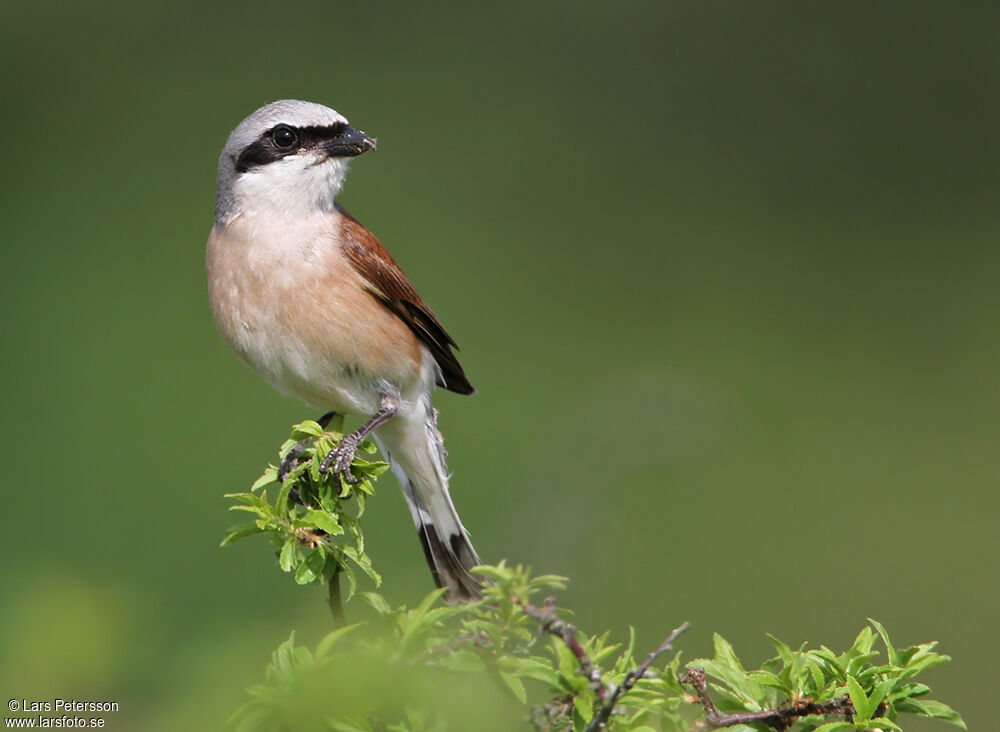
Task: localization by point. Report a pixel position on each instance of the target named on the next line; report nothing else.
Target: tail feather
(416, 454)
(451, 560)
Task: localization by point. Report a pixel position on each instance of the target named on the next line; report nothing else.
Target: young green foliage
(863, 688)
(509, 660)
(314, 520)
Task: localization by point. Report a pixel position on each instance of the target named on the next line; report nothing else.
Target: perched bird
(309, 298)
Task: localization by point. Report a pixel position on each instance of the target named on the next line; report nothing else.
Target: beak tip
(349, 143)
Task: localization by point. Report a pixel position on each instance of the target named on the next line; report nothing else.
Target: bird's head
(289, 157)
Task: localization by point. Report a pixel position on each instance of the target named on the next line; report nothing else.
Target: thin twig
(552, 624)
(600, 719)
(778, 719)
(335, 601)
(554, 715)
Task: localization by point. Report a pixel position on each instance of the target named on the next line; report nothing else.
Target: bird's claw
(339, 460)
(291, 461)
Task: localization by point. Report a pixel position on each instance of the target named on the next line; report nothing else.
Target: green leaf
(322, 449)
(890, 651)
(252, 509)
(287, 557)
(725, 654)
(583, 707)
(920, 659)
(345, 487)
(246, 498)
(532, 668)
(281, 501)
(348, 574)
(463, 660)
(241, 531)
(819, 680)
(312, 568)
(411, 621)
(362, 561)
(379, 603)
(500, 573)
(931, 708)
(270, 476)
(909, 690)
(739, 685)
(883, 723)
(857, 663)
(330, 639)
(834, 727)
(783, 649)
(862, 712)
(863, 643)
(670, 675)
(879, 693)
(515, 685)
(304, 430)
(599, 654)
(568, 665)
(769, 679)
(321, 520)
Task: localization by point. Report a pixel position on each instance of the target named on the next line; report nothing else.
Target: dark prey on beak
(349, 143)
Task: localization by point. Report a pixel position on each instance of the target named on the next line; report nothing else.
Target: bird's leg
(341, 456)
(291, 460)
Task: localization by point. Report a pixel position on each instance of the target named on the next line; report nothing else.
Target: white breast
(292, 307)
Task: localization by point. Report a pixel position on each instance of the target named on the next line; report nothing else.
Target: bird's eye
(284, 137)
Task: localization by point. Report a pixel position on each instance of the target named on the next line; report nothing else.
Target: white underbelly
(294, 309)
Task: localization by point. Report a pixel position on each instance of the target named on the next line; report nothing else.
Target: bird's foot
(294, 457)
(291, 461)
(339, 459)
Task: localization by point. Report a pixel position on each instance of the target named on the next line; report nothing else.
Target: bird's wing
(387, 283)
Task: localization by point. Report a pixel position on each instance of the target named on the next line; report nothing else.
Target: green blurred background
(725, 276)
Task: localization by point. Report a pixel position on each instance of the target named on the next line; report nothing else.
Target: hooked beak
(349, 143)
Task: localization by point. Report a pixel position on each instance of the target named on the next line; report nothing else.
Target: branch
(600, 719)
(557, 714)
(779, 719)
(552, 624)
(334, 600)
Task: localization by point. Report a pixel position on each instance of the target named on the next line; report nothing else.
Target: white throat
(293, 186)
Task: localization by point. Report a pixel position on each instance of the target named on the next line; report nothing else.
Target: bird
(312, 300)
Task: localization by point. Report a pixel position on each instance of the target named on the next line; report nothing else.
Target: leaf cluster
(508, 660)
(866, 687)
(314, 520)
